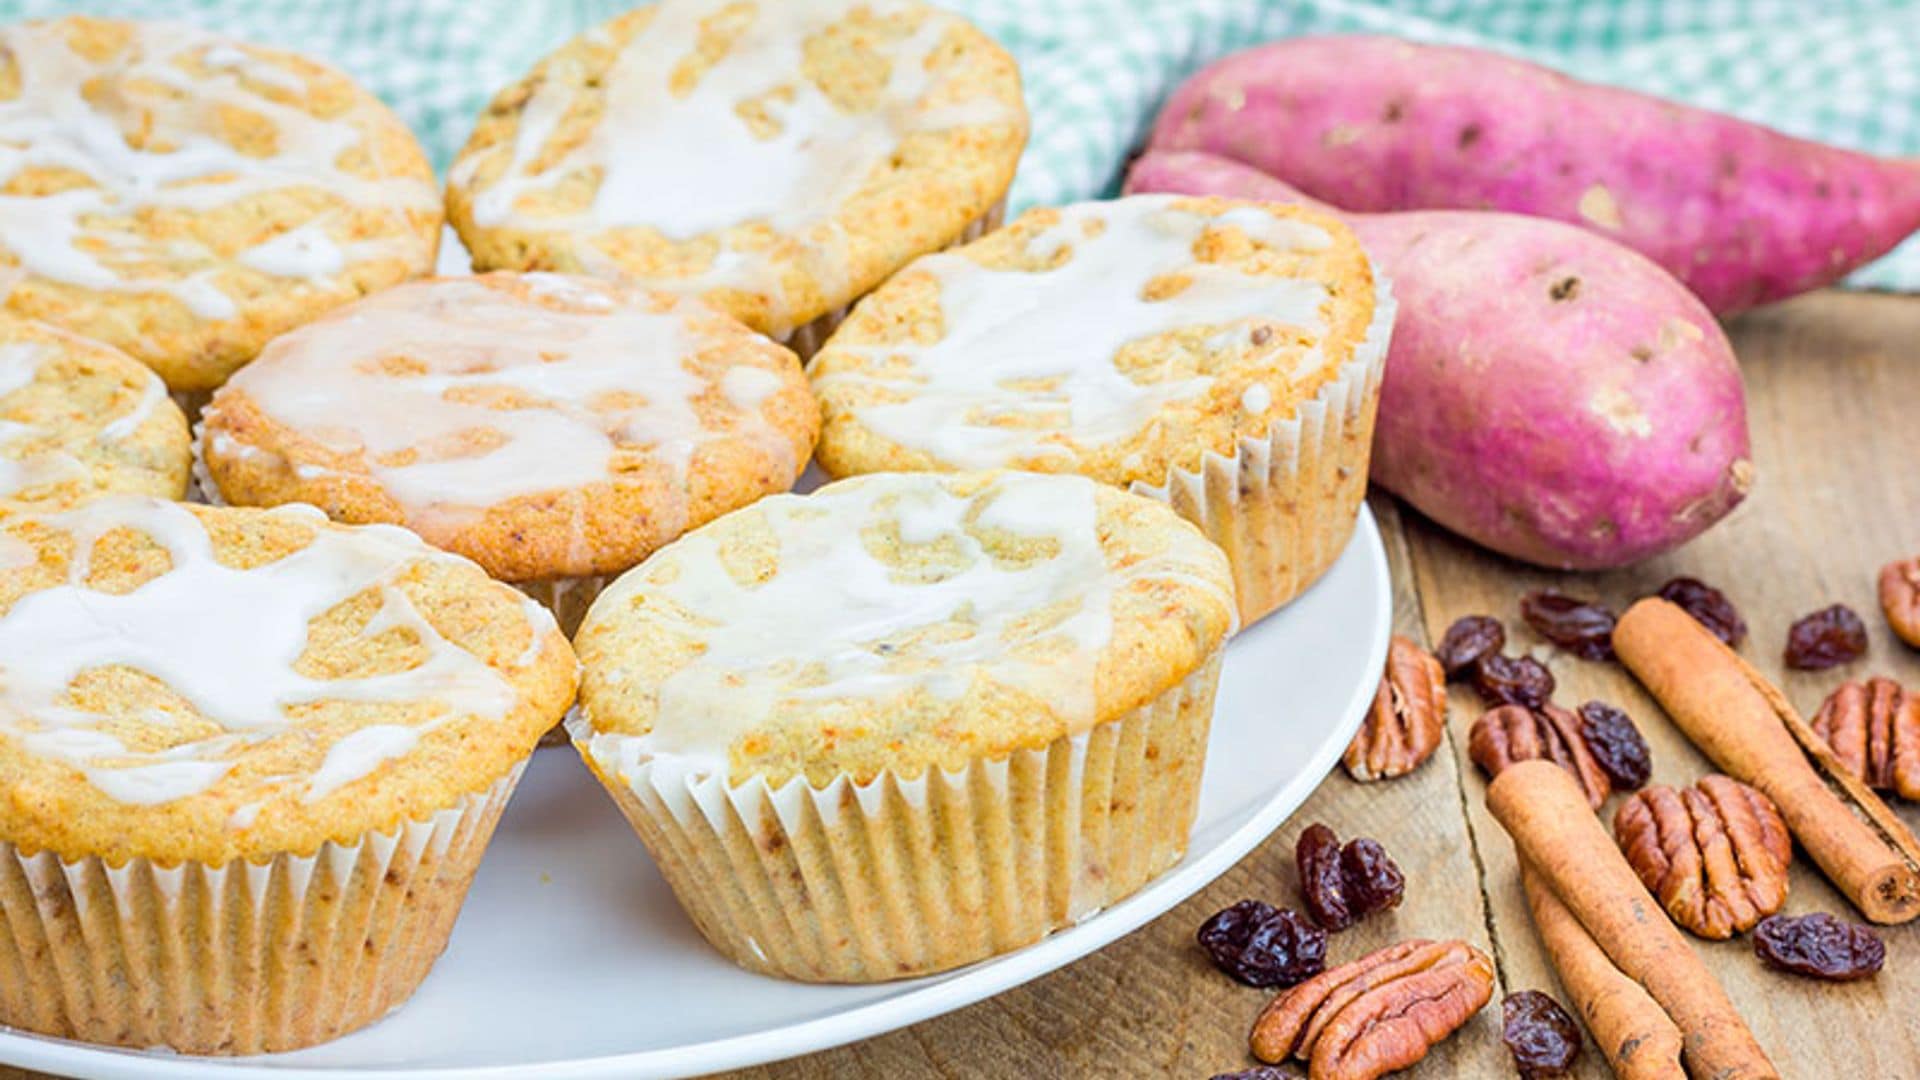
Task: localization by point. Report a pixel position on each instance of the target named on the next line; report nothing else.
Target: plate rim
(987, 979)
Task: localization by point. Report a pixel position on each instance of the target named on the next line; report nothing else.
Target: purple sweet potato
(1742, 214)
(1549, 393)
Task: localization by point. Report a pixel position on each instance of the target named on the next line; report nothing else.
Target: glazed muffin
(941, 716)
(552, 428)
(79, 419)
(778, 158)
(251, 760)
(1223, 357)
(184, 197)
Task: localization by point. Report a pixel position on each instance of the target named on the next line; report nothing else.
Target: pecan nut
(1716, 854)
(1900, 598)
(1874, 731)
(1409, 713)
(1513, 733)
(1377, 1014)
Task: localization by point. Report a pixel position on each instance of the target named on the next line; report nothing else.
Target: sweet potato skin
(1549, 394)
(1742, 214)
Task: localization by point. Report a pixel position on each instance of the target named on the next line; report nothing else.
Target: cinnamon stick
(1556, 832)
(1750, 730)
(1633, 1032)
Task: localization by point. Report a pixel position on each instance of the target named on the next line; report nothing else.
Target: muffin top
(542, 425)
(1118, 340)
(190, 682)
(896, 622)
(779, 157)
(184, 197)
(80, 419)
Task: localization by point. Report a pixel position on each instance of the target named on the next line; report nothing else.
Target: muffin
(184, 197)
(1223, 357)
(551, 428)
(778, 158)
(253, 835)
(908, 721)
(79, 419)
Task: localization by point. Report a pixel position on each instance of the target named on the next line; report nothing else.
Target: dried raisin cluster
(1343, 885)
(1263, 946)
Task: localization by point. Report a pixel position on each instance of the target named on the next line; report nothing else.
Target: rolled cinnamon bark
(1633, 1032)
(1556, 832)
(1750, 730)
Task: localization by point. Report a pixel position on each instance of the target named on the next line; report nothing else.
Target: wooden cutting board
(1834, 387)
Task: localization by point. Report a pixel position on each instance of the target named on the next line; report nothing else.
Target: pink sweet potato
(1741, 213)
(1549, 393)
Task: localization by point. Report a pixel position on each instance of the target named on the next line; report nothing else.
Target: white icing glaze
(589, 382)
(1256, 398)
(74, 113)
(833, 622)
(1028, 359)
(226, 641)
(29, 468)
(689, 163)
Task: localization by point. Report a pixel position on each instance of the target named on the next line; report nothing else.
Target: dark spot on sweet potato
(1822, 189)
(1393, 112)
(1642, 353)
(1729, 165)
(1565, 289)
(1469, 135)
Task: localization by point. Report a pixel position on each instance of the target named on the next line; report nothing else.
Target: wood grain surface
(1834, 384)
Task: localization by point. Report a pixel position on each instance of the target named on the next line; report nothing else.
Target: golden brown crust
(179, 249)
(936, 184)
(90, 421)
(856, 370)
(263, 805)
(599, 528)
(1171, 608)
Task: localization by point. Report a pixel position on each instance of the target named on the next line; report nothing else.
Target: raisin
(1827, 638)
(1260, 1072)
(1317, 854)
(1543, 1039)
(1466, 641)
(1708, 606)
(1261, 946)
(1344, 885)
(1616, 745)
(1818, 945)
(1582, 628)
(1513, 680)
(1374, 881)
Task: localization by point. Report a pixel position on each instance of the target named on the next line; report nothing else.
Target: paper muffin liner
(241, 958)
(897, 877)
(1284, 504)
(807, 339)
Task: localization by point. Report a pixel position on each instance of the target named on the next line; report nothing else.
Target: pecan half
(1900, 598)
(1378, 1014)
(1409, 713)
(1715, 854)
(1874, 731)
(1513, 733)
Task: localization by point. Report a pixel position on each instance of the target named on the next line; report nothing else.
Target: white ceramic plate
(571, 959)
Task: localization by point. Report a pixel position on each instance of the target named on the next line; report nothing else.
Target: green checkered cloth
(1842, 71)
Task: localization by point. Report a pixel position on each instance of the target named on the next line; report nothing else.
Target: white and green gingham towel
(1843, 71)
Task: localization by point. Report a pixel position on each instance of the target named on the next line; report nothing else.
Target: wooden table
(1834, 385)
